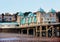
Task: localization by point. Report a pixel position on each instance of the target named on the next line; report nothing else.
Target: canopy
(9, 23)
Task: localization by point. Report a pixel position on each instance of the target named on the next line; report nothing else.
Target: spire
(52, 10)
(41, 10)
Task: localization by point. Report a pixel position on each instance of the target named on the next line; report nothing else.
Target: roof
(31, 15)
(41, 10)
(52, 10)
(20, 14)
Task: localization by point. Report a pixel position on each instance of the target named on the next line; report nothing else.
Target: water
(9, 39)
(18, 40)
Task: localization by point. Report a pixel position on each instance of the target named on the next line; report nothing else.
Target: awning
(9, 23)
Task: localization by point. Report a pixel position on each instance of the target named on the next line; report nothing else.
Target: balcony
(35, 24)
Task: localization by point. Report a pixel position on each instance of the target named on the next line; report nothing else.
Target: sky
(13, 6)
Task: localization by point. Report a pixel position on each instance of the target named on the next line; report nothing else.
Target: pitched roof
(52, 10)
(31, 14)
(41, 10)
(20, 14)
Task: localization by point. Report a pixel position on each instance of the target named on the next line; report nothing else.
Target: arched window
(35, 19)
(29, 20)
(23, 21)
(26, 20)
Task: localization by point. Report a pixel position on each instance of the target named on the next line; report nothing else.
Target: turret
(19, 17)
(53, 16)
(52, 12)
(39, 15)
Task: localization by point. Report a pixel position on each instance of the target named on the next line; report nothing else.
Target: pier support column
(40, 31)
(58, 32)
(21, 31)
(52, 31)
(27, 31)
(34, 31)
(46, 31)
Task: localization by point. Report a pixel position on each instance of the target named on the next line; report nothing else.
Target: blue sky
(13, 6)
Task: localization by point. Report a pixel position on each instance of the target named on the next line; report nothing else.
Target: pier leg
(40, 31)
(46, 31)
(27, 31)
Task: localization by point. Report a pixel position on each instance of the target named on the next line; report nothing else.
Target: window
(10, 18)
(53, 13)
(35, 19)
(38, 28)
(38, 34)
(50, 32)
(29, 20)
(5, 19)
(53, 20)
(57, 32)
(43, 27)
(42, 18)
(43, 34)
(47, 18)
(22, 21)
(24, 31)
(26, 19)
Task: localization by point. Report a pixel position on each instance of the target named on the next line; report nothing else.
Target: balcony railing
(36, 24)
